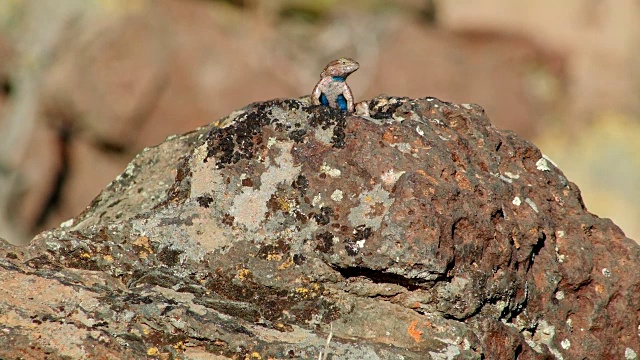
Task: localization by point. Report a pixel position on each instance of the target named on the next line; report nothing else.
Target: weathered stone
(420, 232)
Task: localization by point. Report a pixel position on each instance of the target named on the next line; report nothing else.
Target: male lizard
(332, 89)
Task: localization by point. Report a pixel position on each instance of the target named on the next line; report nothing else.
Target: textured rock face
(420, 232)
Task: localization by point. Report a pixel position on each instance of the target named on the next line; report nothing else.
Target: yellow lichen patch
(302, 291)
(314, 287)
(153, 351)
(179, 346)
(286, 264)
(276, 257)
(85, 255)
(243, 273)
(108, 258)
(255, 355)
(284, 204)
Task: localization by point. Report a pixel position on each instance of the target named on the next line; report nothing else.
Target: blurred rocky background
(85, 85)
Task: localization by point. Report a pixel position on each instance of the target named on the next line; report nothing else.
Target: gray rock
(421, 232)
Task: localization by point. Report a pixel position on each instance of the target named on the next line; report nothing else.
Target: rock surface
(421, 232)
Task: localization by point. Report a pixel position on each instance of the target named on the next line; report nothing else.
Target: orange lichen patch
(599, 288)
(389, 137)
(143, 246)
(413, 332)
(515, 242)
(462, 181)
(415, 305)
(429, 177)
(220, 343)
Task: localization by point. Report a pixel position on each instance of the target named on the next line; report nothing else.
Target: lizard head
(342, 67)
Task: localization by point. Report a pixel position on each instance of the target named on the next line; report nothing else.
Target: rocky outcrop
(421, 232)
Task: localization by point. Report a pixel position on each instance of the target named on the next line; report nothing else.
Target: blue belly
(342, 102)
(323, 100)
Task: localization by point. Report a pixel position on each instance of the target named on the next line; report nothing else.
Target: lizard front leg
(348, 97)
(317, 93)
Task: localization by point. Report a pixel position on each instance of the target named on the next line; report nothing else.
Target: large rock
(421, 232)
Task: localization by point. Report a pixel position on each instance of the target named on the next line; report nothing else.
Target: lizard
(332, 89)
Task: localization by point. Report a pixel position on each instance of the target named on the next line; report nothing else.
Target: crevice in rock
(379, 277)
(517, 351)
(537, 247)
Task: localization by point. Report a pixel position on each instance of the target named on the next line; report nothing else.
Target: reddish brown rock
(421, 231)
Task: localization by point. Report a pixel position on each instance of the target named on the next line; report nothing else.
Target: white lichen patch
(332, 172)
(324, 135)
(272, 141)
(450, 352)
(336, 195)
(532, 204)
(317, 201)
(565, 344)
(397, 117)
(560, 295)
(502, 177)
(419, 131)
(559, 257)
(67, 223)
(205, 178)
(629, 354)
(404, 148)
(218, 237)
(372, 208)
(542, 164)
(543, 336)
(606, 272)
(249, 207)
(516, 201)
(390, 177)
(512, 175)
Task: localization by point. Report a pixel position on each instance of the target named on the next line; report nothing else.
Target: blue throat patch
(338, 78)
